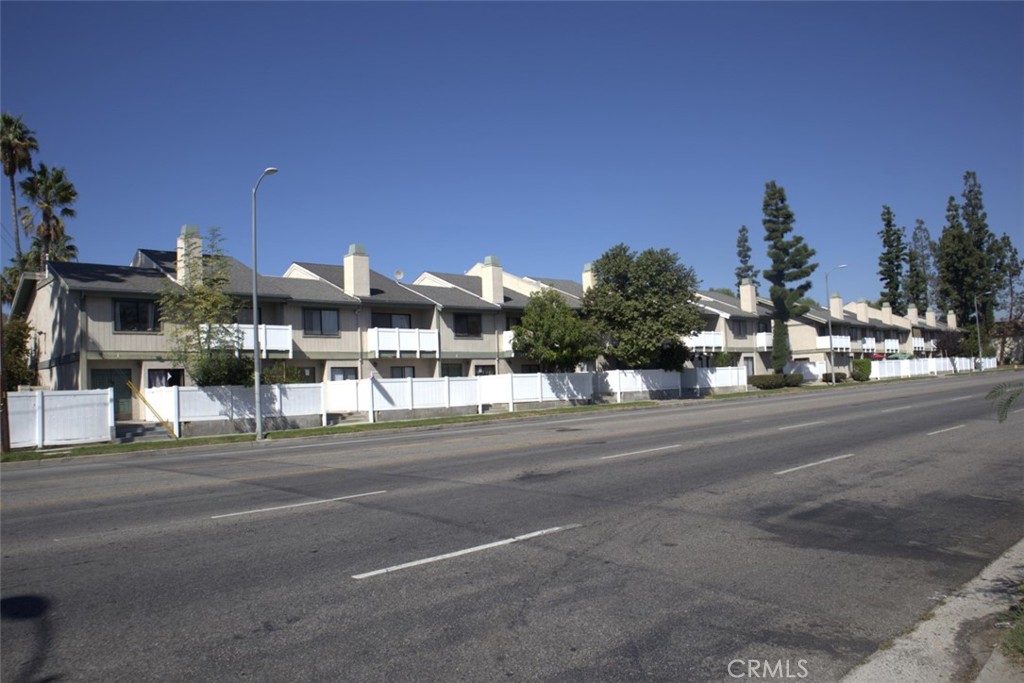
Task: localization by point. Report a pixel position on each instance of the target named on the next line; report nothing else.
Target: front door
(118, 379)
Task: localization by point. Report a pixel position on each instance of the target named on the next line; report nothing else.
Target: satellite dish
(399, 274)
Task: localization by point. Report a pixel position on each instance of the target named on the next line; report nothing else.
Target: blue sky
(543, 133)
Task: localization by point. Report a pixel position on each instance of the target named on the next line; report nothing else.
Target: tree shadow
(33, 610)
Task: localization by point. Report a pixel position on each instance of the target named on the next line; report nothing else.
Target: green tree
(891, 262)
(643, 305)
(1009, 295)
(553, 335)
(920, 270)
(1003, 396)
(52, 194)
(744, 270)
(983, 255)
(17, 142)
(952, 256)
(790, 263)
(201, 311)
(17, 363)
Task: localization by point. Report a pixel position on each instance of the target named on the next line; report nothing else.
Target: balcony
(763, 340)
(704, 341)
(892, 345)
(868, 345)
(398, 341)
(506, 342)
(273, 338)
(922, 345)
(840, 342)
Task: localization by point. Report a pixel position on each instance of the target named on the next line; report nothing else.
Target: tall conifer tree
(744, 270)
(891, 262)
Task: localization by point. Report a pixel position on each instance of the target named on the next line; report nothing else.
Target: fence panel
(391, 394)
(494, 388)
(464, 391)
(342, 396)
(59, 418)
(22, 413)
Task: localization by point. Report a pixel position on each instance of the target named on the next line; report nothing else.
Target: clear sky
(543, 133)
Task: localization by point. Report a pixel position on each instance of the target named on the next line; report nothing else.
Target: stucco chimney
(912, 314)
(835, 306)
(588, 276)
(929, 317)
(860, 309)
(748, 296)
(357, 271)
(951, 320)
(190, 255)
(886, 313)
(491, 278)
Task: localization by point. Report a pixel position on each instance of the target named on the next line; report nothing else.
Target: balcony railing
(840, 342)
(868, 345)
(273, 338)
(920, 344)
(399, 340)
(892, 345)
(704, 341)
(763, 341)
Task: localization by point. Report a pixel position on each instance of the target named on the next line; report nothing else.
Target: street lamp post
(828, 305)
(255, 311)
(977, 321)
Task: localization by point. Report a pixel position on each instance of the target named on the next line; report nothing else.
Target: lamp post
(828, 305)
(977, 321)
(255, 311)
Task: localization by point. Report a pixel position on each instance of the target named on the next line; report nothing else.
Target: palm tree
(62, 248)
(17, 142)
(1003, 396)
(53, 194)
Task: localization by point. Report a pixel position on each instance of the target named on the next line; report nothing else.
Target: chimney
(748, 296)
(835, 306)
(357, 271)
(860, 309)
(929, 317)
(491, 278)
(886, 313)
(588, 276)
(190, 255)
(912, 315)
(951, 320)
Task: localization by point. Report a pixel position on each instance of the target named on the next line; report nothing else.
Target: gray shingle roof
(570, 287)
(450, 297)
(471, 283)
(383, 290)
(99, 277)
(731, 305)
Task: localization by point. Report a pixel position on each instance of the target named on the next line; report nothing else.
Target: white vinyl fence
(60, 418)
(703, 379)
(200, 404)
(915, 367)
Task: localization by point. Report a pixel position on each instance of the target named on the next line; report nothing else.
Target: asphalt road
(676, 543)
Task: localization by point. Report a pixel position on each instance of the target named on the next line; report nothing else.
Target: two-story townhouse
(740, 326)
(891, 335)
(99, 325)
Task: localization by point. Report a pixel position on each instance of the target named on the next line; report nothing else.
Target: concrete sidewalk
(940, 649)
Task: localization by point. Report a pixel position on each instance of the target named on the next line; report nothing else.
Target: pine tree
(951, 262)
(920, 269)
(790, 263)
(744, 270)
(984, 252)
(891, 262)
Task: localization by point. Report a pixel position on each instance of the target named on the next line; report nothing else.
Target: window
(482, 370)
(401, 320)
(764, 326)
(323, 321)
(244, 316)
(468, 325)
(338, 374)
(136, 316)
(451, 369)
(511, 322)
(402, 371)
(530, 369)
(165, 377)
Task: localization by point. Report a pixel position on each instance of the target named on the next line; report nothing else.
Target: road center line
(812, 464)
(649, 450)
(806, 424)
(297, 505)
(466, 551)
(948, 429)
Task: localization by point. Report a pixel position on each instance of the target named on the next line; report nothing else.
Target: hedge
(794, 379)
(838, 377)
(861, 369)
(767, 381)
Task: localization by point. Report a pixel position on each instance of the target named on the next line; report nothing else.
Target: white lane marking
(297, 505)
(466, 551)
(948, 429)
(961, 398)
(649, 450)
(1019, 410)
(893, 410)
(812, 464)
(806, 424)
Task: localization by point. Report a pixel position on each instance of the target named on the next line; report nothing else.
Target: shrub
(724, 360)
(767, 381)
(861, 369)
(835, 377)
(794, 379)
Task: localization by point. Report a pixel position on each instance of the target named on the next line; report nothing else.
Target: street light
(828, 305)
(255, 311)
(977, 321)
